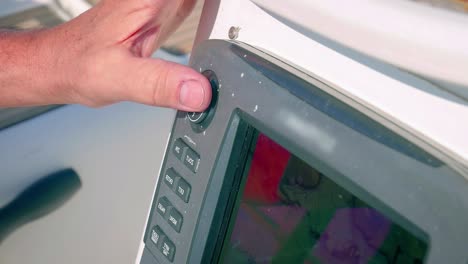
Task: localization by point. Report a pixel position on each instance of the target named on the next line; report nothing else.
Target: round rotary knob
(197, 118)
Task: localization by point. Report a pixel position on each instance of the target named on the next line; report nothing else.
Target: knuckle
(159, 80)
(93, 103)
(186, 8)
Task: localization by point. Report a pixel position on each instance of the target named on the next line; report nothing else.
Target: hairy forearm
(26, 71)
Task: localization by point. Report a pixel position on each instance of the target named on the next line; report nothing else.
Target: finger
(140, 25)
(153, 34)
(116, 21)
(182, 12)
(166, 84)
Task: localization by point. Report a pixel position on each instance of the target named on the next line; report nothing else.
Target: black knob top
(197, 117)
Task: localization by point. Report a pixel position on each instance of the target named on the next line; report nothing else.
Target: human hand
(102, 57)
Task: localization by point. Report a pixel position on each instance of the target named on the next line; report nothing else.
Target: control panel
(171, 206)
(254, 92)
(183, 177)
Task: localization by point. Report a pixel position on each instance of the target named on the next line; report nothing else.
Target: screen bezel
(407, 173)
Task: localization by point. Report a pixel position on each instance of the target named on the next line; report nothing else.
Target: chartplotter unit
(282, 169)
(328, 138)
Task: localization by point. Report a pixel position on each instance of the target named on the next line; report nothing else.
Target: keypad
(181, 187)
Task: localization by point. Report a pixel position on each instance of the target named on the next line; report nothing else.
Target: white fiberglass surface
(429, 41)
(416, 105)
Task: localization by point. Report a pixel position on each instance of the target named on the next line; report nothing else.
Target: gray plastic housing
(405, 178)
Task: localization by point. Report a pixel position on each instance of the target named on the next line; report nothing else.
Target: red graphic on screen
(268, 164)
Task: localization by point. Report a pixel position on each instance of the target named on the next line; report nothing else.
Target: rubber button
(170, 177)
(163, 206)
(157, 235)
(175, 220)
(183, 190)
(178, 148)
(168, 249)
(192, 160)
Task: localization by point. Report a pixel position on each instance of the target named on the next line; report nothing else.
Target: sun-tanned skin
(102, 57)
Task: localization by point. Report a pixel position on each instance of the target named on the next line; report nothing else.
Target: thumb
(161, 83)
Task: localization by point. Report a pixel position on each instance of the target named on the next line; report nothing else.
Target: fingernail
(192, 94)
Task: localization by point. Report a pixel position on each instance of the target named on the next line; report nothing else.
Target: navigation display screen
(289, 212)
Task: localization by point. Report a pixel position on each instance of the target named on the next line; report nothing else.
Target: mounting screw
(234, 32)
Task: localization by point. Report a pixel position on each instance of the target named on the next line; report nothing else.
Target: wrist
(47, 67)
(30, 74)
